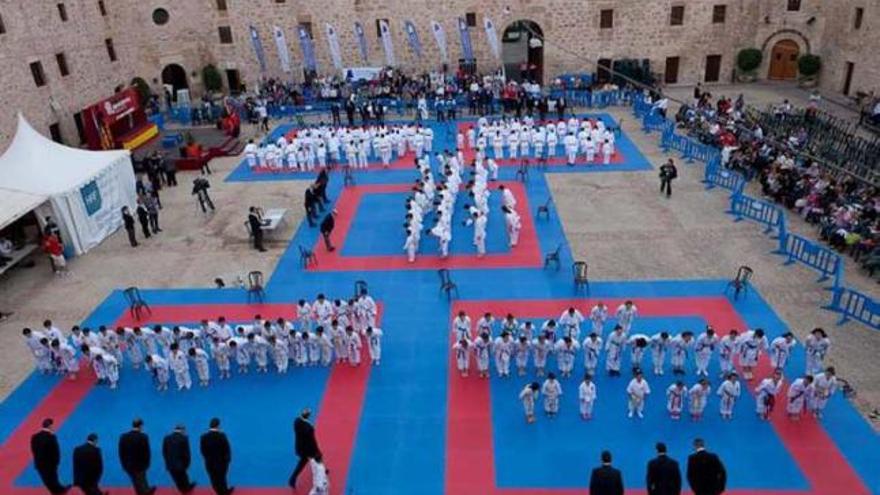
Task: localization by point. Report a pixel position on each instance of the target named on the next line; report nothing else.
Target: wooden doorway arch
(784, 60)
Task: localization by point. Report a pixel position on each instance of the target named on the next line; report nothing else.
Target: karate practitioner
(521, 349)
(280, 353)
(325, 343)
(587, 397)
(566, 350)
(111, 368)
(528, 396)
(542, 346)
(698, 396)
(637, 344)
(728, 347)
(354, 345)
(614, 350)
(180, 366)
(220, 351)
(825, 384)
(571, 148)
(675, 397)
(659, 344)
(203, 370)
(679, 347)
(462, 350)
(503, 350)
(626, 314)
(765, 394)
(514, 225)
(637, 392)
(751, 344)
(780, 350)
(374, 344)
(158, 367)
(461, 326)
(816, 347)
(729, 391)
(598, 316)
(703, 350)
(799, 393)
(571, 320)
(592, 348)
(552, 390)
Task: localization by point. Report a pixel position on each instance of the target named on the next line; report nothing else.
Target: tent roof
(37, 165)
(15, 204)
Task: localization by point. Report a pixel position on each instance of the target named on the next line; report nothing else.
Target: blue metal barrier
(854, 305)
(768, 214)
(717, 176)
(826, 262)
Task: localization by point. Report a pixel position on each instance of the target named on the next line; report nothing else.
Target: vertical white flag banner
(333, 41)
(385, 31)
(492, 37)
(283, 51)
(440, 36)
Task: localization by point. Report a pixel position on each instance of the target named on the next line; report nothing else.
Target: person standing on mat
(605, 479)
(327, 226)
(217, 454)
(305, 444)
(47, 456)
(176, 452)
(134, 455)
(705, 471)
(88, 466)
(664, 477)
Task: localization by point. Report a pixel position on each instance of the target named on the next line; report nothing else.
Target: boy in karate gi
(509, 324)
(314, 349)
(320, 476)
(41, 352)
(326, 345)
(799, 393)
(158, 367)
(280, 353)
(552, 390)
(598, 316)
(180, 366)
(304, 315)
(607, 151)
(703, 350)
(752, 344)
(637, 343)
(571, 148)
(514, 225)
(220, 351)
(816, 347)
(728, 347)
(503, 349)
(200, 358)
(239, 346)
(374, 344)
(659, 344)
(513, 145)
(68, 363)
(566, 350)
(824, 384)
(528, 396)
(698, 396)
(259, 349)
(679, 350)
(462, 350)
(729, 391)
(486, 324)
(297, 348)
(614, 350)
(461, 326)
(549, 329)
(482, 347)
(765, 394)
(526, 329)
(637, 391)
(552, 142)
(626, 314)
(587, 397)
(780, 350)
(571, 320)
(353, 344)
(111, 368)
(592, 348)
(543, 346)
(675, 396)
(521, 350)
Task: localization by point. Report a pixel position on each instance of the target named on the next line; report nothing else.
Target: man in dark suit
(88, 466)
(705, 472)
(47, 456)
(176, 452)
(217, 454)
(664, 477)
(327, 226)
(255, 223)
(306, 445)
(134, 455)
(605, 479)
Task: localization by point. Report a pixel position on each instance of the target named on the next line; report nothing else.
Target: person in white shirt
(461, 326)
(528, 396)
(765, 394)
(729, 391)
(698, 397)
(66, 358)
(587, 397)
(542, 348)
(552, 390)
(799, 393)
(637, 343)
(675, 397)
(751, 345)
(250, 153)
(571, 148)
(503, 349)
(521, 349)
(514, 225)
(637, 392)
(566, 350)
(571, 320)
(679, 347)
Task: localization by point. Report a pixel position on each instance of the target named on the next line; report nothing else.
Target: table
(273, 219)
(17, 256)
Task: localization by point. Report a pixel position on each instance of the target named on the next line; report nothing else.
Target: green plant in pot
(747, 62)
(809, 66)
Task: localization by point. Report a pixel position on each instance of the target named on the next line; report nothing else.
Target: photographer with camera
(200, 189)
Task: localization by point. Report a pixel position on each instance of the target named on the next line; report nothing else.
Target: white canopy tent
(82, 190)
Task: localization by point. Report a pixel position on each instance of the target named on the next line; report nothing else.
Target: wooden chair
(446, 284)
(256, 287)
(307, 257)
(741, 282)
(136, 303)
(553, 258)
(544, 209)
(581, 277)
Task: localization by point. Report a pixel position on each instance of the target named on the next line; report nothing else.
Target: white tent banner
(283, 50)
(387, 44)
(333, 41)
(492, 37)
(440, 37)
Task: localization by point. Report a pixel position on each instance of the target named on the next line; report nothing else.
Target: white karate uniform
(374, 345)
(625, 317)
(598, 316)
(729, 392)
(824, 386)
(587, 397)
(462, 356)
(678, 352)
(571, 324)
(521, 350)
(780, 350)
(675, 400)
(658, 352)
(281, 355)
(220, 351)
(180, 366)
(766, 389)
(482, 349)
(159, 368)
(514, 225)
(703, 350)
(592, 349)
(571, 148)
(552, 390)
(637, 391)
(320, 478)
(542, 349)
(565, 356)
(751, 348)
(798, 395)
(528, 397)
(728, 348)
(816, 349)
(614, 349)
(698, 396)
(203, 370)
(461, 327)
(354, 344)
(503, 350)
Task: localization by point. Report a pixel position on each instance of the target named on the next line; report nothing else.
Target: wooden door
(713, 68)
(671, 72)
(783, 60)
(847, 79)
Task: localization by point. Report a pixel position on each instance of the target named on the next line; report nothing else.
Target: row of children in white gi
(525, 139)
(313, 146)
(429, 196)
(807, 393)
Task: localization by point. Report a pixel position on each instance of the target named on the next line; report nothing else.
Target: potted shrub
(809, 66)
(747, 62)
(211, 79)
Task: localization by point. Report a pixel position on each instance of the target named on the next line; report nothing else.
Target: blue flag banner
(308, 49)
(413, 36)
(467, 50)
(361, 39)
(258, 48)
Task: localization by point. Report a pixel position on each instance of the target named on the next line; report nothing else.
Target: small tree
(809, 65)
(211, 78)
(143, 89)
(749, 59)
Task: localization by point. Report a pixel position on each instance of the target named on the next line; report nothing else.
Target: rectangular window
(225, 33)
(713, 68)
(857, 21)
(794, 5)
(471, 19)
(280, 1)
(221, 5)
(676, 15)
(719, 14)
(80, 128)
(111, 51)
(37, 72)
(2, 26)
(379, 28)
(55, 132)
(62, 12)
(671, 73)
(102, 8)
(606, 19)
(308, 27)
(62, 64)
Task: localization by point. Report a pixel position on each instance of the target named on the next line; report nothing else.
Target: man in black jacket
(128, 222)
(311, 205)
(327, 226)
(306, 445)
(255, 223)
(176, 452)
(664, 477)
(134, 455)
(606, 480)
(705, 472)
(47, 456)
(217, 454)
(668, 173)
(88, 466)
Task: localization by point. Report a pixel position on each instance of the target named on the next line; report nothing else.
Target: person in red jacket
(52, 246)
